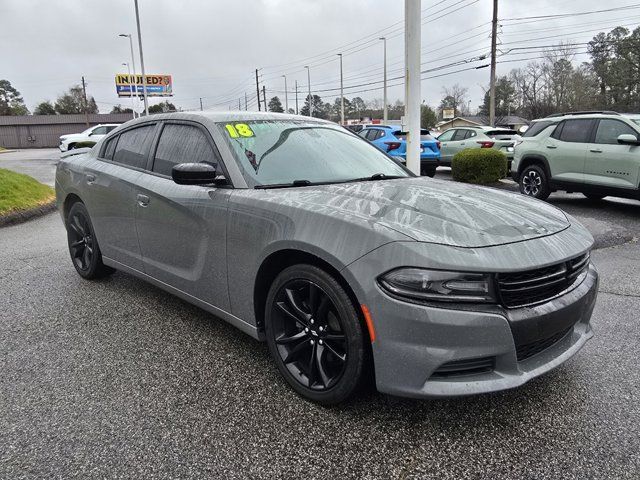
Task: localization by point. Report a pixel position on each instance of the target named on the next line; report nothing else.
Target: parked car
(393, 140)
(354, 128)
(457, 139)
(596, 153)
(92, 134)
(300, 234)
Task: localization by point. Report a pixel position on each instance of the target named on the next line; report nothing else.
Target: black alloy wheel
(314, 334)
(83, 246)
(534, 183)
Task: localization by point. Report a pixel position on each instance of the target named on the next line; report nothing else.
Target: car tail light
(392, 145)
(486, 144)
(438, 144)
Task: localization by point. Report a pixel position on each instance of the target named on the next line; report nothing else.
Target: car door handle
(143, 200)
(462, 144)
(551, 146)
(91, 178)
(595, 150)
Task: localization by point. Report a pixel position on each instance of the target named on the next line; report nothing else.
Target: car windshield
(636, 120)
(274, 152)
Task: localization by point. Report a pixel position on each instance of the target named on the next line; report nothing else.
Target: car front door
(182, 228)
(446, 150)
(110, 196)
(566, 149)
(609, 163)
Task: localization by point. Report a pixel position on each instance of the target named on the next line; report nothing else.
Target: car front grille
(533, 348)
(530, 287)
(471, 366)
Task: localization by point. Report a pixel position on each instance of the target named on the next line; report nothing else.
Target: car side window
(363, 133)
(109, 148)
(372, 134)
(609, 130)
(99, 131)
(460, 135)
(110, 128)
(181, 144)
(133, 146)
(470, 134)
(446, 136)
(575, 131)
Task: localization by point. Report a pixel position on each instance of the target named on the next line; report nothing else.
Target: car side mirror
(194, 173)
(628, 139)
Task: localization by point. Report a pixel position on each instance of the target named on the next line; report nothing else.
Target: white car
(92, 134)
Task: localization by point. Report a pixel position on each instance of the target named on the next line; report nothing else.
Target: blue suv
(394, 141)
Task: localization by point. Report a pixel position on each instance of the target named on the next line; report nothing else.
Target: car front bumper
(419, 340)
(414, 343)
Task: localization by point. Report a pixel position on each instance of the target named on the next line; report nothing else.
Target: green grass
(21, 192)
(2, 148)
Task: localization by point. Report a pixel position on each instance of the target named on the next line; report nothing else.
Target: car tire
(594, 197)
(534, 182)
(83, 244)
(428, 171)
(315, 335)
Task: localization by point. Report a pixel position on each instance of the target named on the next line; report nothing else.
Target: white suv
(92, 134)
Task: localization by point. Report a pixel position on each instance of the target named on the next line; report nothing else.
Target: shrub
(479, 165)
(87, 144)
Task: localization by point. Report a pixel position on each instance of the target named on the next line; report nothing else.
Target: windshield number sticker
(239, 130)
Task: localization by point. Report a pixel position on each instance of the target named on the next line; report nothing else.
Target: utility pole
(239, 106)
(286, 96)
(144, 75)
(309, 85)
(258, 89)
(264, 96)
(412, 28)
(341, 93)
(386, 110)
(492, 81)
(84, 93)
(245, 101)
(200, 103)
(296, 97)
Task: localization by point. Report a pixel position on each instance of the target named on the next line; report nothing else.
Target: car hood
(436, 211)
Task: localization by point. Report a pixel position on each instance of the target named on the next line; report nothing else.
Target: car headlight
(439, 285)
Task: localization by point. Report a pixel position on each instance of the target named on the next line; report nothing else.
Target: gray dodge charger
(301, 234)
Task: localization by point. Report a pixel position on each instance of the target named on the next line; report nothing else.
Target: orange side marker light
(369, 322)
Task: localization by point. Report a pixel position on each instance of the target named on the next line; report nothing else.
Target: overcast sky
(212, 47)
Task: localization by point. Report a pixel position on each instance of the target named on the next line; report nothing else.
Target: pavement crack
(619, 294)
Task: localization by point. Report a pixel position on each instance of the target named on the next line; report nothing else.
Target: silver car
(301, 234)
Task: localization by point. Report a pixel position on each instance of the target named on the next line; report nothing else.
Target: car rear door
(182, 228)
(609, 163)
(110, 196)
(566, 149)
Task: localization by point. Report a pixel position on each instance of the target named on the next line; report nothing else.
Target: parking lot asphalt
(116, 379)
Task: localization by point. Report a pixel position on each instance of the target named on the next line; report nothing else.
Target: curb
(7, 151)
(21, 216)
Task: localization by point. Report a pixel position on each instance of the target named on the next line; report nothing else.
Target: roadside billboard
(157, 85)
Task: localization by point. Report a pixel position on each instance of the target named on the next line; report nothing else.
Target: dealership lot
(116, 378)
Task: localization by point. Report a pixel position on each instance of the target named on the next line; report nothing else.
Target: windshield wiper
(377, 176)
(295, 183)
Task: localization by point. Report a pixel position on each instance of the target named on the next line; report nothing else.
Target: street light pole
(144, 76)
(286, 97)
(296, 97)
(309, 85)
(133, 110)
(341, 93)
(386, 111)
(133, 65)
(412, 82)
